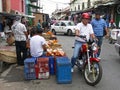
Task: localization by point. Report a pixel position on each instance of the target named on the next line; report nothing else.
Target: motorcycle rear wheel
(92, 78)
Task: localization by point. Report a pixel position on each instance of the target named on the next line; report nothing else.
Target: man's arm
(93, 36)
(25, 32)
(107, 32)
(77, 32)
(106, 29)
(44, 47)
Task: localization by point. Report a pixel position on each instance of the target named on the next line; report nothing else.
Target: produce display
(53, 47)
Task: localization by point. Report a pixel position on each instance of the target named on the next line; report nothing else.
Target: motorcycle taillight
(84, 47)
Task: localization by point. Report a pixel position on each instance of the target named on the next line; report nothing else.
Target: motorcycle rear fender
(94, 59)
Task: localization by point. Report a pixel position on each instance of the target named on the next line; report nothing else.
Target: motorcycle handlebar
(82, 36)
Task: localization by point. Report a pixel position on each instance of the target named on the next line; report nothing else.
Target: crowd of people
(94, 29)
(37, 44)
(19, 29)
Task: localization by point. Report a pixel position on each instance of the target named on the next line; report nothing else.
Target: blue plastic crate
(63, 70)
(30, 76)
(29, 68)
(29, 62)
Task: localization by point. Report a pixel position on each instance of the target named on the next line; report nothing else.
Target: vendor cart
(7, 55)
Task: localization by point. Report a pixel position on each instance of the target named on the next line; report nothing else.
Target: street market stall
(55, 62)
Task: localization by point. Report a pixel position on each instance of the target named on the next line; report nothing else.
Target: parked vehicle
(88, 63)
(113, 35)
(63, 26)
(117, 44)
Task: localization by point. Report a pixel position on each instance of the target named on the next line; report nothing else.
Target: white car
(62, 26)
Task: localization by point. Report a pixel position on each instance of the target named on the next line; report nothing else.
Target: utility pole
(42, 8)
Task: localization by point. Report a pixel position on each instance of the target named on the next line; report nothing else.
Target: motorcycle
(88, 63)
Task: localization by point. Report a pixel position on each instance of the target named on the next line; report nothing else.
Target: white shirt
(85, 29)
(36, 43)
(18, 30)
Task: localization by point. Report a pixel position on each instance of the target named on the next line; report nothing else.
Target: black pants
(21, 52)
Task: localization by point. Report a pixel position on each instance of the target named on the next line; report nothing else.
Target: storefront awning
(13, 15)
(29, 16)
(82, 11)
(34, 6)
(104, 4)
(8, 14)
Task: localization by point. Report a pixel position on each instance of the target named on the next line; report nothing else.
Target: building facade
(18, 6)
(110, 9)
(81, 5)
(13, 6)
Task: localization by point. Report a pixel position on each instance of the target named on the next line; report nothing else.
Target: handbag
(10, 40)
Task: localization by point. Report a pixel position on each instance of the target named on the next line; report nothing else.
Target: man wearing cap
(20, 33)
(99, 25)
(82, 29)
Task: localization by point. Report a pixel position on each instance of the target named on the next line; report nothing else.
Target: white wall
(78, 2)
(0, 5)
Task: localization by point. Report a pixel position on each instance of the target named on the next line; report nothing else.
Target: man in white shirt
(20, 33)
(84, 29)
(37, 42)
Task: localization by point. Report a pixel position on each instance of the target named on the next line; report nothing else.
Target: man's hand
(107, 36)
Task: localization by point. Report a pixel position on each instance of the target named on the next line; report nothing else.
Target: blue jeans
(100, 40)
(77, 46)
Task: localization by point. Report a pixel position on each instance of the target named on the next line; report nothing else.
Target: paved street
(13, 78)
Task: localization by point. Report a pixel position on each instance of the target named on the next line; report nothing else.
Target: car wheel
(69, 32)
(54, 32)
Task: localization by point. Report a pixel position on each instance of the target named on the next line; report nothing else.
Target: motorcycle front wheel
(94, 76)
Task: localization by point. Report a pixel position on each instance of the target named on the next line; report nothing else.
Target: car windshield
(70, 24)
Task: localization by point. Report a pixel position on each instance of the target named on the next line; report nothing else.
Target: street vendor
(37, 42)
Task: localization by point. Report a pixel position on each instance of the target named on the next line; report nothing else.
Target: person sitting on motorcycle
(82, 29)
